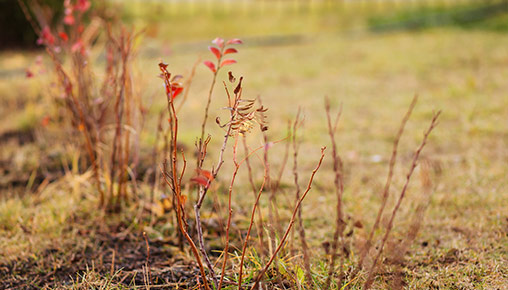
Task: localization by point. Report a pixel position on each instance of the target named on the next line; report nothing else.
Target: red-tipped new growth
(235, 41)
(219, 51)
(173, 87)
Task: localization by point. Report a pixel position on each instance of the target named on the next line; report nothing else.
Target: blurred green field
(293, 55)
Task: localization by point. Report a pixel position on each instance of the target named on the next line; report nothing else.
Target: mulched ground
(126, 256)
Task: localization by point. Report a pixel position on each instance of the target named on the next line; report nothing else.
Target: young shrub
(95, 106)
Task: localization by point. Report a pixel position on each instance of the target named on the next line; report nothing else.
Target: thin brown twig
(291, 222)
(147, 263)
(119, 154)
(237, 166)
(259, 223)
(188, 84)
(276, 183)
(175, 182)
(297, 122)
(273, 212)
(204, 189)
(244, 248)
(28, 16)
(339, 190)
(126, 82)
(414, 163)
(75, 106)
(397, 252)
(155, 154)
(187, 237)
(207, 108)
(208, 101)
(272, 201)
(230, 214)
(386, 191)
(301, 229)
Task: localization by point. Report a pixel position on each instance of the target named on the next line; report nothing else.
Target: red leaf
(45, 121)
(46, 37)
(163, 66)
(218, 41)
(82, 5)
(210, 65)
(201, 180)
(205, 173)
(69, 19)
(230, 50)
(29, 73)
(235, 41)
(78, 46)
(175, 91)
(227, 62)
(68, 88)
(63, 36)
(215, 51)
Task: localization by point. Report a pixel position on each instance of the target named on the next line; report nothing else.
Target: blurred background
(204, 18)
(370, 56)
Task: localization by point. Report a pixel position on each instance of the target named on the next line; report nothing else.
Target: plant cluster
(106, 112)
(243, 116)
(109, 117)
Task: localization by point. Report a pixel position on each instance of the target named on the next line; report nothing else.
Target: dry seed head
(247, 116)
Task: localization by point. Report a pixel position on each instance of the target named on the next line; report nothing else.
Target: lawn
(52, 235)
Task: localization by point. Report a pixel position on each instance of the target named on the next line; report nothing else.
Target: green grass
(468, 15)
(462, 243)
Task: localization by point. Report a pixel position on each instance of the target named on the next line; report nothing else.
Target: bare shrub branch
(339, 190)
(372, 270)
(386, 190)
(301, 229)
(291, 222)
